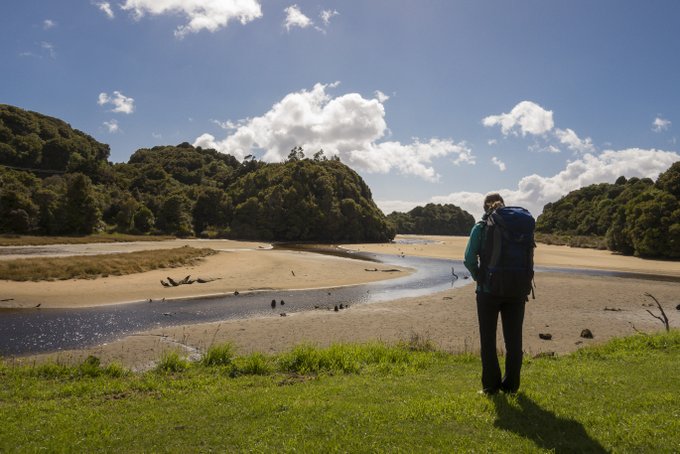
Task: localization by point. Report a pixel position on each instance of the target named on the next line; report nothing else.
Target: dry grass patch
(28, 240)
(90, 267)
(582, 241)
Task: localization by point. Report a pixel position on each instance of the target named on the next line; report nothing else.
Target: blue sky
(430, 101)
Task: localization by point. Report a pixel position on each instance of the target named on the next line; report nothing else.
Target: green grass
(29, 240)
(622, 397)
(89, 267)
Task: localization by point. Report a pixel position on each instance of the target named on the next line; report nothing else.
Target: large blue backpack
(507, 252)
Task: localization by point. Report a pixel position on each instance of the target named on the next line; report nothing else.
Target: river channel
(29, 331)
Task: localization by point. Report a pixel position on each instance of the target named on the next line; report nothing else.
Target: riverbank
(564, 306)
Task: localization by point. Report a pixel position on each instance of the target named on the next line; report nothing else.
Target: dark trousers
(512, 318)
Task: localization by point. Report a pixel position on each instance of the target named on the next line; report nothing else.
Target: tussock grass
(89, 267)
(582, 241)
(172, 362)
(28, 240)
(620, 397)
(219, 355)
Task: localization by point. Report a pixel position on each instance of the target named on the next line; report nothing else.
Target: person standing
(497, 295)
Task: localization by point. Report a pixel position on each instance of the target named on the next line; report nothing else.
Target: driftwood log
(662, 318)
(186, 281)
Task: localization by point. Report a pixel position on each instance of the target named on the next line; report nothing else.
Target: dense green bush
(56, 180)
(636, 216)
(433, 219)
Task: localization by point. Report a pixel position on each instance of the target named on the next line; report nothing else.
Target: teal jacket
(472, 251)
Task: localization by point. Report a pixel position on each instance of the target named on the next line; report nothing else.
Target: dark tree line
(433, 219)
(637, 216)
(57, 180)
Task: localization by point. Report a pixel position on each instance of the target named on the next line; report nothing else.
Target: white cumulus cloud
(542, 148)
(348, 126)
(210, 15)
(569, 138)
(382, 97)
(527, 117)
(112, 126)
(326, 16)
(295, 18)
(120, 102)
(105, 7)
(498, 163)
(534, 191)
(660, 124)
(49, 23)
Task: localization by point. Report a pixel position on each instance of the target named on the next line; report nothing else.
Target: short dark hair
(491, 199)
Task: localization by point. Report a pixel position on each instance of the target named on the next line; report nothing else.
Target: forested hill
(637, 216)
(49, 145)
(433, 219)
(57, 180)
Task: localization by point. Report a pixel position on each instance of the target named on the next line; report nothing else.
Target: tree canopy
(637, 216)
(433, 219)
(47, 145)
(57, 180)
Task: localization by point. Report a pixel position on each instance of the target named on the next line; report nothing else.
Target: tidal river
(28, 331)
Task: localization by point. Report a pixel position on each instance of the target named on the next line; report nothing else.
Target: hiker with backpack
(499, 256)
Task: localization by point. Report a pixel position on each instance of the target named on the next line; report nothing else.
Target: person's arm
(472, 251)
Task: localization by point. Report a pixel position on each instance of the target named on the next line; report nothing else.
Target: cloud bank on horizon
(534, 191)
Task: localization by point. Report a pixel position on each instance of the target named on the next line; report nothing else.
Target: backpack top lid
(516, 220)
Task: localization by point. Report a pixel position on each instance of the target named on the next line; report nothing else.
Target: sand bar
(238, 267)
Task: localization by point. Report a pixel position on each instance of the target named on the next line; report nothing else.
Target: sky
(431, 101)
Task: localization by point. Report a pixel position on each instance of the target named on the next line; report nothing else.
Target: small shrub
(254, 364)
(115, 370)
(51, 370)
(218, 355)
(90, 367)
(306, 359)
(172, 362)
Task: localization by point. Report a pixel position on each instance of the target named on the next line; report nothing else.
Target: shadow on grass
(527, 419)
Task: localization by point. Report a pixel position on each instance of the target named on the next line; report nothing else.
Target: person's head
(493, 201)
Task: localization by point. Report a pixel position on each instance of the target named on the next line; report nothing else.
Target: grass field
(89, 267)
(622, 397)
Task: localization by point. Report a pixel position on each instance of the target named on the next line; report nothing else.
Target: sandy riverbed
(564, 305)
